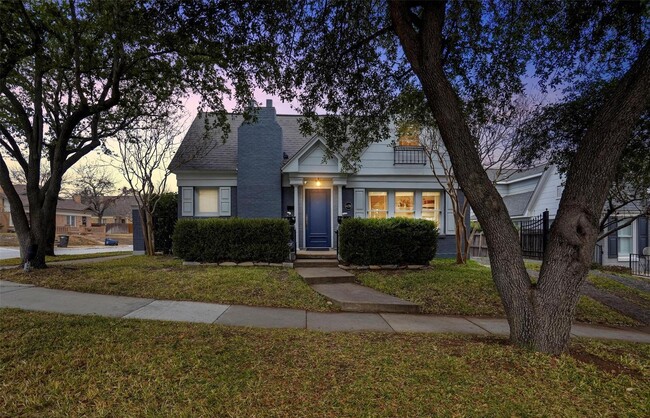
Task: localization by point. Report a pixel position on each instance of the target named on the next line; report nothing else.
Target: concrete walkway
(28, 297)
(340, 288)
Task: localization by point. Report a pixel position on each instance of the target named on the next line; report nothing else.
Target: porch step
(355, 298)
(321, 275)
(316, 262)
(316, 255)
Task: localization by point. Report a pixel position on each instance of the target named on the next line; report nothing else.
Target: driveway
(13, 252)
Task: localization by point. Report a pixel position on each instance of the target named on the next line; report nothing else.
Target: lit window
(206, 201)
(378, 205)
(409, 135)
(431, 206)
(404, 205)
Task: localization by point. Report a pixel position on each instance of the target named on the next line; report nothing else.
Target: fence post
(545, 226)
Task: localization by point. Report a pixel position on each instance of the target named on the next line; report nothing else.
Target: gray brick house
(268, 169)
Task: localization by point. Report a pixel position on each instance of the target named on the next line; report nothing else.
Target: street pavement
(13, 252)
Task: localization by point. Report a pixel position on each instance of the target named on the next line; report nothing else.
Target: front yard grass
(631, 294)
(166, 278)
(451, 289)
(447, 289)
(58, 365)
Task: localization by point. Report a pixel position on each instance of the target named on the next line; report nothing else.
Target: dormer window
(409, 135)
(408, 149)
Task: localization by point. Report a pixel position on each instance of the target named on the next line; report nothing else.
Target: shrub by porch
(217, 240)
(387, 241)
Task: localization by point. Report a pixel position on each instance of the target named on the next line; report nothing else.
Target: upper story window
(378, 205)
(408, 149)
(408, 135)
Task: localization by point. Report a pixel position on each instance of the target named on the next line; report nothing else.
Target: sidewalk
(28, 297)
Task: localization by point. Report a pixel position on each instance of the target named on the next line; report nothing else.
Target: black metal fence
(533, 236)
(640, 264)
(409, 155)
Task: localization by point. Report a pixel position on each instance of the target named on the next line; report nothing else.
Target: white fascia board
(532, 176)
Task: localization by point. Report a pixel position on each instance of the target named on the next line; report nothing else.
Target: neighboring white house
(269, 169)
(529, 193)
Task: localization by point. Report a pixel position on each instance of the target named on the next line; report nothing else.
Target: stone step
(356, 298)
(316, 255)
(316, 262)
(321, 275)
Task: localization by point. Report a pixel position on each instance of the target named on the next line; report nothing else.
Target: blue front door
(318, 218)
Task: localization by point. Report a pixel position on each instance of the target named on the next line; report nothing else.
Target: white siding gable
(546, 197)
(378, 159)
(310, 160)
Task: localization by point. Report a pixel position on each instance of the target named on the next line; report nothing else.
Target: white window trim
(399, 212)
(438, 209)
(197, 202)
(369, 209)
(633, 249)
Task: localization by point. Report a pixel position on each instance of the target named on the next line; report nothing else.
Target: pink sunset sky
(191, 105)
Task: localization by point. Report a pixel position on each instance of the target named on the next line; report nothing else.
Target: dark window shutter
(612, 241)
(642, 227)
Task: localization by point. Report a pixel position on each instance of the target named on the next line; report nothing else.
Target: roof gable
(309, 159)
(204, 149)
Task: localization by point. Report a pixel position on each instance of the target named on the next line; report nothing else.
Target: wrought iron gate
(533, 236)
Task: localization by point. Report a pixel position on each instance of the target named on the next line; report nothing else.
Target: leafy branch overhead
(471, 59)
(75, 73)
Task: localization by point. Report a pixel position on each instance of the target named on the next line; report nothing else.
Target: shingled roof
(204, 149)
(517, 203)
(510, 175)
(62, 204)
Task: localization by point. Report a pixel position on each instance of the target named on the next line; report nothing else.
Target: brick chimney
(259, 161)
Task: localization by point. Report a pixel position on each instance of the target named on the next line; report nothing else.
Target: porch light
(318, 182)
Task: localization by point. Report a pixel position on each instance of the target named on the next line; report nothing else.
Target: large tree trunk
(51, 232)
(539, 314)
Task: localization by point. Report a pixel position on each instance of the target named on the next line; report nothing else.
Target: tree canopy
(353, 59)
(74, 73)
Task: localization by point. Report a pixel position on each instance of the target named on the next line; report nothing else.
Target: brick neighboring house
(70, 213)
(268, 169)
(119, 211)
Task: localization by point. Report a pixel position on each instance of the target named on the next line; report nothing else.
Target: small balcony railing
(409, 155)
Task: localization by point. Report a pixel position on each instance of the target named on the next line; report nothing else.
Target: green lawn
(166, 278)
(447, 289)
(633, 295)
(56, 365)
(66, 257)
(451, 289)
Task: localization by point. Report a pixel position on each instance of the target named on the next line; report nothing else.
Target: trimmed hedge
(387, 241)
(233, 239)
